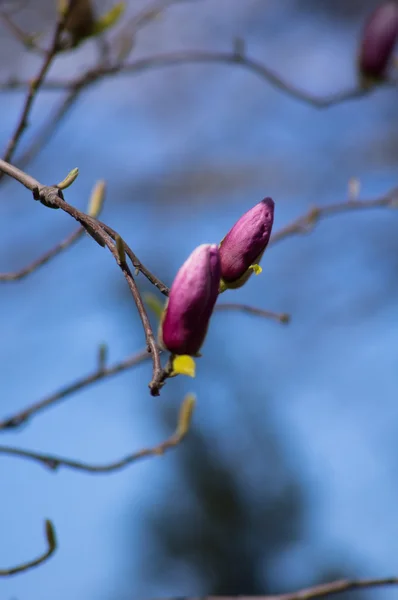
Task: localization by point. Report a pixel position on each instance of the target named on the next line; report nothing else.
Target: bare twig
(54, 121)
(45, 258)
(164, 60)
(98, 374)
(54, 462)
(103, 372)
(52, 546)
(137, 264)
(305, 224)
(318, 591)
(251, 310)
(76, 86)
(336, 587)
(52, 197)
(27, 40)
(151, 12)
(34, 86)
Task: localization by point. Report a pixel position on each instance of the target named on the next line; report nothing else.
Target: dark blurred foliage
(230, 515)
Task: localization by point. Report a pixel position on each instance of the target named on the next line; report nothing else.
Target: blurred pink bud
(378, 40)
(245, 243)
(191, 301)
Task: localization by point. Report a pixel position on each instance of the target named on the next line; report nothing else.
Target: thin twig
(52, 197)
(99, 374)
(76, 86)
(25, 39)
(182, 57)
(252, 310)
(47, 130)
(151, 12)
(53, 462)
(334, 588)
(34, 86)
(102, 372)
(311, 593)
(45, 258)
(305, 223)
(137, 264)
(52, 546)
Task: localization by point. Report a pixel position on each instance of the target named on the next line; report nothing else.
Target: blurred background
(289, 474)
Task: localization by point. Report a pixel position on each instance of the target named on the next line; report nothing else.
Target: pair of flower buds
(379, 37)
(208, 271)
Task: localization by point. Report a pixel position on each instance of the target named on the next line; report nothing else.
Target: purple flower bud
(378, 40)
(191, 301)
(245, 243)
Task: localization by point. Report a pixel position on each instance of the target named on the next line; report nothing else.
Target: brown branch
(25, 39)
(102, 372)
(53, 462)
(52, 197)
(305, 224)
(52, 546)
(76, 86)
(98, 374)
(205, 57)
(334, 588)
(137, 264)
(34, 86)
(149, 13)
(317, 591)
(46, 132)
(45, 258)
(252, 310)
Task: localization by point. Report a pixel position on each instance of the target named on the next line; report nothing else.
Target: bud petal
(191, 301)
(378, 40)
(244, 245)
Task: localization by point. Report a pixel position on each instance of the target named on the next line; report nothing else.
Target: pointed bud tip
(245, 243)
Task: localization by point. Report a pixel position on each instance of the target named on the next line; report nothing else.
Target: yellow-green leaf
(256, 269)
(109, 19)
(184, 365)
(50, 534)
(69, 179)
(185, 416)
(120, 249)
(154, 304)
(97, 198)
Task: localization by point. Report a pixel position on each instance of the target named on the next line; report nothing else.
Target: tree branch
(102, 372)
(325, 590)
(334, 588)
(305, 223)
(25, 39)
(238, 57)
(98, 374)
(182, 57)
(318, 591)
(52, 197)
(53, 462)
(34, 86)
(251, 310)
(45, 258)
(52, 546)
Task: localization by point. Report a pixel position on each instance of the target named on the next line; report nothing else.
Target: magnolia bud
(378, 40)
(242, 248)
(191, 301)
(80, 20)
